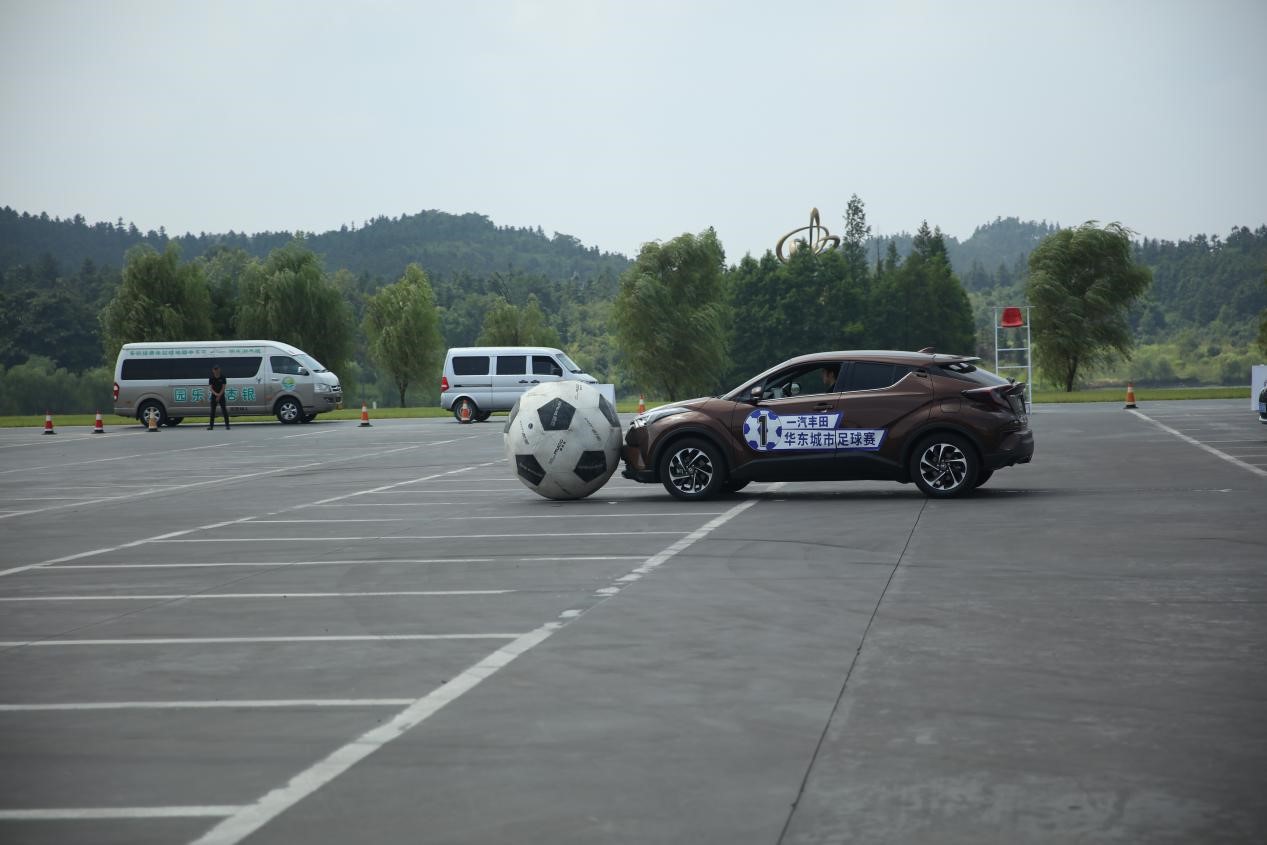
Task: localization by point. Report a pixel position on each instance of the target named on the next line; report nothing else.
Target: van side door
(510, 381)
(544, 369)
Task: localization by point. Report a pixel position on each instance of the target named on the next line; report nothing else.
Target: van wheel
(483, 416)
(289, 410)
(692, 469)
(465, 410)
(944, 466)
(171, 421)
(151, 410)
(308, 418)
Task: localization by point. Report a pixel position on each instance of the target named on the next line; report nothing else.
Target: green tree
(223, 268)
(1081, 283)
(290, 298)
(403, 329)
(510, 325)
(919, 301)
(160, 299)
(670, 317)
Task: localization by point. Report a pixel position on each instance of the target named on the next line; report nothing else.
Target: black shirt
(217, 385)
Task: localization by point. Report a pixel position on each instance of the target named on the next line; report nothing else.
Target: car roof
(887, 356)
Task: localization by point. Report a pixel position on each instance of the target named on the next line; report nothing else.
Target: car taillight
(116, 391)
(990, 396)
(444, 383)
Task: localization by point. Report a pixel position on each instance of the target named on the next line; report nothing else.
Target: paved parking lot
(325, 633)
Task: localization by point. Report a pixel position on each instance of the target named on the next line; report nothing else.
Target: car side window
(805, 380)
(872, 375)
(511, 365)
(544, 365)
(284, 365)
(470, 365)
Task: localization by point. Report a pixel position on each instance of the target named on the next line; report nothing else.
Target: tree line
(676, 320)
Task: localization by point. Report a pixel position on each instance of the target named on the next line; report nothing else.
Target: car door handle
(274, 378)
(523, 381)
(536, 381)
(823, 406)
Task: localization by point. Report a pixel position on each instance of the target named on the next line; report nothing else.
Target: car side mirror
(755, 395)
(303, 371)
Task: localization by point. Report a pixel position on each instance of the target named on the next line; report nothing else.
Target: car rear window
(871, 375)
(470, 365)
(965, 371)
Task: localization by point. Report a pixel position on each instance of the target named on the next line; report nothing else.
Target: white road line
(410, 537)
(1224, 455)
(370, 562)
(309, 434)
(204, 596)
(324, 638)
(107, 460)
(251, 818)
(107, 550)
(596, 514)
(170, 488)
(305, 521)
(219, 704)
(77, 813)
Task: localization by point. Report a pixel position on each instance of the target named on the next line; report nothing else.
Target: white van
(478, 380)
(168, 381)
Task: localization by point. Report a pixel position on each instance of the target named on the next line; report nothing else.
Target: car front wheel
(289, 410)
(944, 466)
(692, 469)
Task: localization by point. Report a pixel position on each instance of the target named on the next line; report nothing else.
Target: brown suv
(937, 420)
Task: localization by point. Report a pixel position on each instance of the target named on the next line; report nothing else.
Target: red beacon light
(1012, 318)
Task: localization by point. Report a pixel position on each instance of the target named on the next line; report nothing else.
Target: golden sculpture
(819, 240)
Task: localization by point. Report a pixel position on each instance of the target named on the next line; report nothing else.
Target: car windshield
(967, 371)
(313, 365)
(569, 363)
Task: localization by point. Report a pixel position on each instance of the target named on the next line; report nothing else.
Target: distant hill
(445, 245)
(995, 254)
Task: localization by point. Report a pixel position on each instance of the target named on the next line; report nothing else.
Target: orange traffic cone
(152, 421)
(365, 416)
(464, 413)
(642, 405)
(97, 426)
(1130, 395)
(48, 423)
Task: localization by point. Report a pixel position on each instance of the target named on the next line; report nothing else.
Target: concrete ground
(325, 634)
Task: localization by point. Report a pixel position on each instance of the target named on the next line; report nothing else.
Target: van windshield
(311, 363)
(569, 363)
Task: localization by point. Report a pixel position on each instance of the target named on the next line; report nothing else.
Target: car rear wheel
(465, 410)
(983, 476)
(944, 466)
(692, 469)
(151, 410)
(733, 486)
(483, 416)
(171, 421)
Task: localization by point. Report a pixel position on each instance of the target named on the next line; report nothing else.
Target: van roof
(497, 350)
(214, 344)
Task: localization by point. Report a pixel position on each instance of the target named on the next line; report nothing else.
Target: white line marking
(309, 434)
(331, 638)
(254, 816)
(170, 488)
(74, 813)
(107, 460)
(408, 537)
(368, 562)
(218, 704)
(1224, 455)
(306, 521)
(595, 513)
(134, 543)
(205, 596)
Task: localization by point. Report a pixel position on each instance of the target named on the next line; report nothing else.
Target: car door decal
(766, 431)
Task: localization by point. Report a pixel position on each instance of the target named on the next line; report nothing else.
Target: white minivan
(167, 382)
(478, 380)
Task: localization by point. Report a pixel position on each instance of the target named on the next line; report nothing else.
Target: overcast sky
(623, 122)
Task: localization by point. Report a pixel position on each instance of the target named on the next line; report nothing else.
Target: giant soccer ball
(563, 439)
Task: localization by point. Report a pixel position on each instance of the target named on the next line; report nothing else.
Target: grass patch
(1142, 394)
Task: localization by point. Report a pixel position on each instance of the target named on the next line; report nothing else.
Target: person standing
(216, 383)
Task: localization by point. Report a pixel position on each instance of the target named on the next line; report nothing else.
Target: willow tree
(669, 318)
(1081, 283)
(403, 329)
(160, 299)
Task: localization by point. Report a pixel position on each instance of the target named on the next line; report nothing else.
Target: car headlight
(322, 387)
(657, 414)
